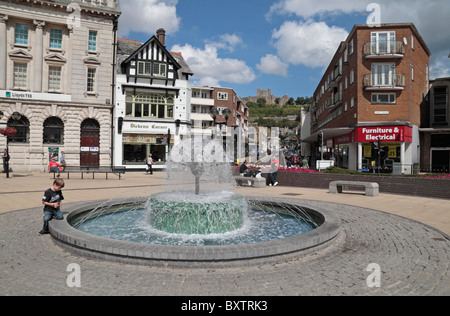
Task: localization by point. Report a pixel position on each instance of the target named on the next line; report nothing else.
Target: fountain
(210, 227)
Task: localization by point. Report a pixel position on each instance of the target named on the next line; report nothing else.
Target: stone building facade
(56, 71)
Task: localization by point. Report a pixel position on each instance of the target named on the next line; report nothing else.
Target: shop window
(53, 131)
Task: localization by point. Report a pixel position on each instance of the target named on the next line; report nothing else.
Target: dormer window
(159, 70)
(144, 68)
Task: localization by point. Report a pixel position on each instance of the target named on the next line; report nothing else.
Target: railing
(384, 49)
(384, 81)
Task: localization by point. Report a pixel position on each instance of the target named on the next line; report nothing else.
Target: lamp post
(15, 116)
(226, 115)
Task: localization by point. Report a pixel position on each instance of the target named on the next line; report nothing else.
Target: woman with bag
(149, 164)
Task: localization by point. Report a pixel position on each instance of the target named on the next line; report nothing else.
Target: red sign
(386, 134)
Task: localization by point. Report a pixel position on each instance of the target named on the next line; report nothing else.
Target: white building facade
(153, 103)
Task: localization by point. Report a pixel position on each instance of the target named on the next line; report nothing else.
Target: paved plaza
(405, 237)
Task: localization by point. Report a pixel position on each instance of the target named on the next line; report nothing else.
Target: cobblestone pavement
(414, 260)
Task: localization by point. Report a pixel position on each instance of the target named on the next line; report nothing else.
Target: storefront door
(90, 144)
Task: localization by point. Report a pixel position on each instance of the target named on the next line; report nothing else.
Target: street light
(226, 113)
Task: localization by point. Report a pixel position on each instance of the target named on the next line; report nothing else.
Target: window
(350, 47)
(91, 79)
(222, 96)
(159, 69)
(53, 131)
(23, 130)
(54, 78)
(20, 75)
(383, 74)
(144, 68)
(21, 34)
(150, 105)
(352, 76)
(382, 42)
(352, 102)
(92, 41)
(56, 39)
(440, 100)
(384, 98)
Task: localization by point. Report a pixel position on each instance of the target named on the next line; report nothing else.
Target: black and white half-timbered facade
(153, 102)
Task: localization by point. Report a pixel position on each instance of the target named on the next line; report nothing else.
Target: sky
(284, 45)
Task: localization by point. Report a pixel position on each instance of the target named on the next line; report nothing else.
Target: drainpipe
(113, 89)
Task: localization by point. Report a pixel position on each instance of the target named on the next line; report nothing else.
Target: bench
(372, 189)
(118, 171)
(257, 183)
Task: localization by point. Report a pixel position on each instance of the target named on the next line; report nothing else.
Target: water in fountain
(197, 208)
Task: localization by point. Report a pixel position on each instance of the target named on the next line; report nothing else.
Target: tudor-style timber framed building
(56, 71)
(153, 102)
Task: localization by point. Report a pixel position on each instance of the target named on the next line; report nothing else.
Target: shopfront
(139, 139)
(384, 148)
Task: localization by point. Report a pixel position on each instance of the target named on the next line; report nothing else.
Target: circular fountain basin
(205, 256)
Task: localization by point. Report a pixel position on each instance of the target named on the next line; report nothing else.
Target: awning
(329, 133)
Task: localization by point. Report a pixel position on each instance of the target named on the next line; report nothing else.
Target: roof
(126, 48)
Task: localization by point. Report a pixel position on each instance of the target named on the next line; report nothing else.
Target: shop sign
(22, 95)
(145, 127)
(384, 134)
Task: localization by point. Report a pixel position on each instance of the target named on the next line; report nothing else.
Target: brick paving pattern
(414, 260)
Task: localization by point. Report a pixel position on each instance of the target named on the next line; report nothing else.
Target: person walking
(150, 164)
(5, 157)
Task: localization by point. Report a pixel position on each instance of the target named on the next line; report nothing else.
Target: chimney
(161, 35)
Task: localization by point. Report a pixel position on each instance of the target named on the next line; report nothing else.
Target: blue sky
(284, 45)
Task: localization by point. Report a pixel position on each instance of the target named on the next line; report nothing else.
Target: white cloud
(431, 18)
(210, 69)
(226, 41)
(312, 44)
(440, 68)
(272, 65)
(309, 8)
(147, 16)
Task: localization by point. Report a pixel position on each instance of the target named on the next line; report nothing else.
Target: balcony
(383, 49)
(385, 82)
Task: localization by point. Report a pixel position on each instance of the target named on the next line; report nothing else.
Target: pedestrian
(305, 164)
(275, 163)
(53, 166)
(52, 204)
(5, 157)
(63, 161)
(150, 164)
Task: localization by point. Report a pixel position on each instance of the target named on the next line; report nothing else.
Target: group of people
(54, 166)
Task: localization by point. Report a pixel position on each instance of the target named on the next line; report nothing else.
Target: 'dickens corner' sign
(134, 127)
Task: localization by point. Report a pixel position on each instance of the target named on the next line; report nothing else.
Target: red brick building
(373, 90)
